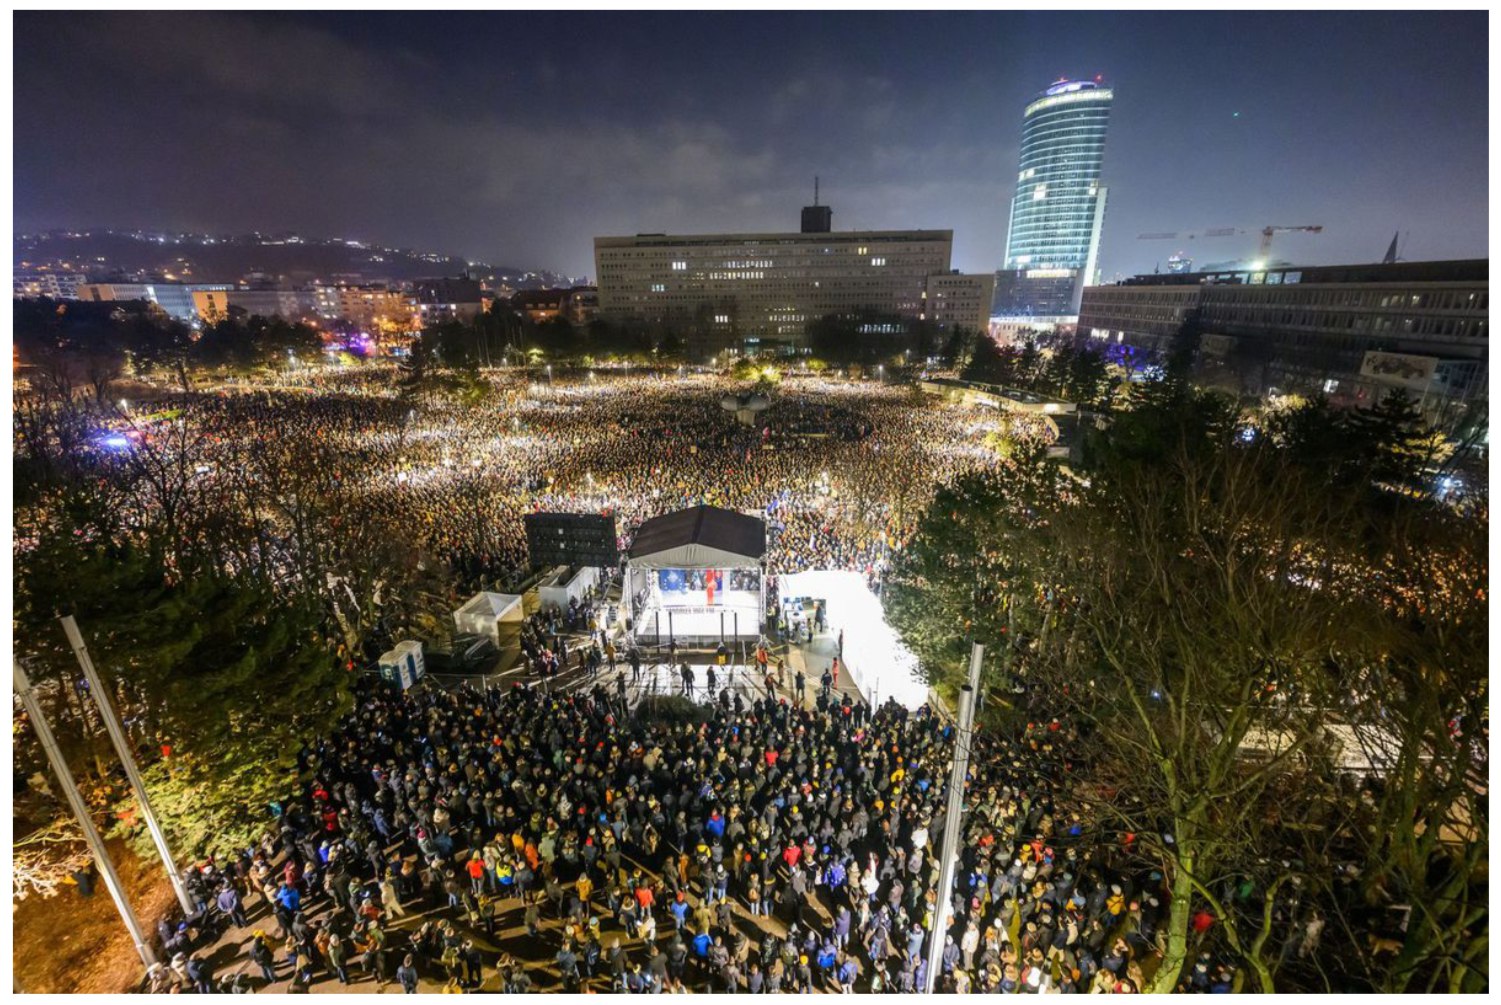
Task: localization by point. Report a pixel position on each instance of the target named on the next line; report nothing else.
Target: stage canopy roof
(704, 537)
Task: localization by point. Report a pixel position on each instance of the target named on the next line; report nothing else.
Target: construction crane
(1190, 235)
(1267, 233)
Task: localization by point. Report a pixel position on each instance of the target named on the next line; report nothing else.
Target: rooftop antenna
(817, 219)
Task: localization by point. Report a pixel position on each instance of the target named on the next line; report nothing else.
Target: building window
(878, 261)
(679, 266)
(721, 319)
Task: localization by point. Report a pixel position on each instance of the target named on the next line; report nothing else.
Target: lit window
(679, 266)
(878, 261)
(659, 287)
(721, 319)
(1040, 192)
(863, 251)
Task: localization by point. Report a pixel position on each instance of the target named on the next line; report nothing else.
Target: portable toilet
(404, 664)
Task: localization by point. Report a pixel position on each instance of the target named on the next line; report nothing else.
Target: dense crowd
(831, 465)
(772, 848)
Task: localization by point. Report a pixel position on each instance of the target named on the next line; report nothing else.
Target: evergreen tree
(961, 345)
(229, 676)
(1394, 439)
(1088, 379)
(1028, 364)
(989, 363)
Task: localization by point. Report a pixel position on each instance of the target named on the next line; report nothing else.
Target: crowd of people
(516, 840)
(457, 478)
(775, 847)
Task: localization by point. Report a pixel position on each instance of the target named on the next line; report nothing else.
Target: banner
(1399, 369)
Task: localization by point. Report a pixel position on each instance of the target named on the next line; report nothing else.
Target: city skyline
(322, 125)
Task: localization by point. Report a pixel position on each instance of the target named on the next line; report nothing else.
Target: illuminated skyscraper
(1053, 244)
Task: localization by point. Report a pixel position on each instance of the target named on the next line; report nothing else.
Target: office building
(1348, 331)
(289, 305)
(1053, 241)
(755, 290)
(175, 299)
(56, 285)
(955, 299)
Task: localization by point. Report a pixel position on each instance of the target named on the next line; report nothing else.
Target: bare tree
(1201, 625)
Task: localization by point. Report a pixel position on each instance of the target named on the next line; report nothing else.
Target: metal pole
(22, 687)
(953, 813)
(127, 757)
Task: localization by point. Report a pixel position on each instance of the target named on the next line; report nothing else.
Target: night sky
(516, 139)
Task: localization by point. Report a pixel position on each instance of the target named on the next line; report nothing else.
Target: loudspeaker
(576, 539)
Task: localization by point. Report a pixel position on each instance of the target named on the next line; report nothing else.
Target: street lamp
(549, 373)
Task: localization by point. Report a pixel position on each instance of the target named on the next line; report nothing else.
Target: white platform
(877, 661)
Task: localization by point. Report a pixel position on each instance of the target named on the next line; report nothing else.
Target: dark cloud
(521, 137)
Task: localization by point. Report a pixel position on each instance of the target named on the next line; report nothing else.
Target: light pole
(952, 814)
(22, 687)
(127, 757)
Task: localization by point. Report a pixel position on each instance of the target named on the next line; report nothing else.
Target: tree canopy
(1234, 620)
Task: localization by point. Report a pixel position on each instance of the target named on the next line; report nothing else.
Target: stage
(694, 578)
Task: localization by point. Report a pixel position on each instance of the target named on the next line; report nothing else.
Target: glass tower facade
(1053, 243)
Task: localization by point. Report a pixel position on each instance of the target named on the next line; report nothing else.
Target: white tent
(877, 661)
(483, 614)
